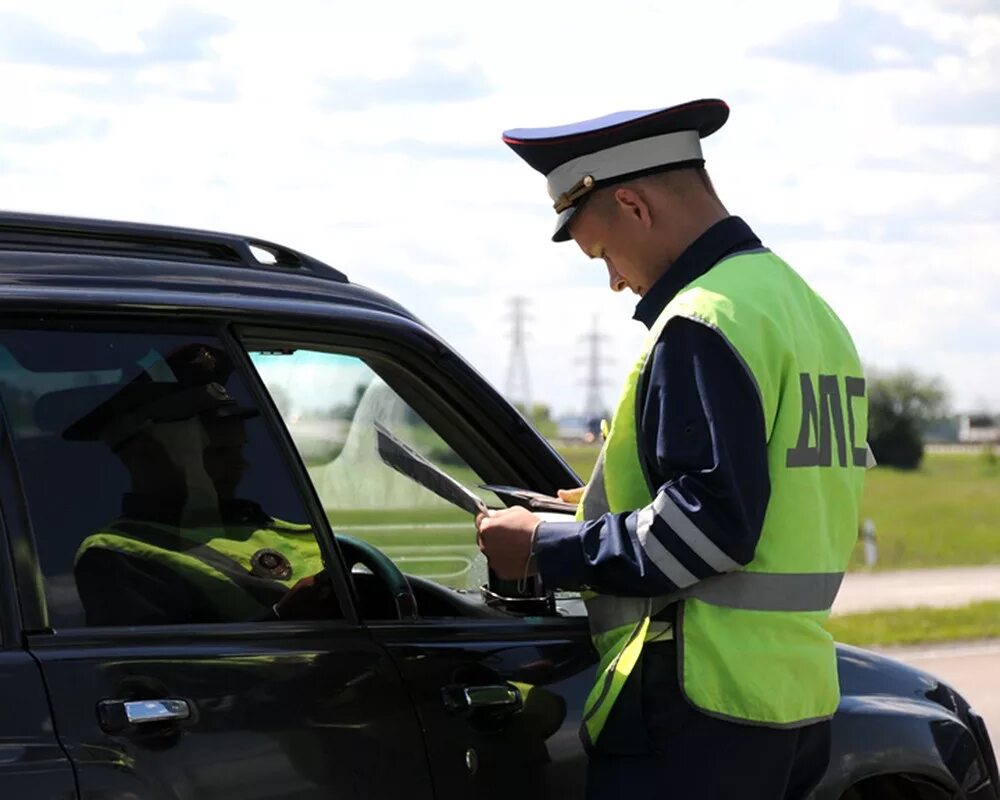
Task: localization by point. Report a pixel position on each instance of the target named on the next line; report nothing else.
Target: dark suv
(179, 405)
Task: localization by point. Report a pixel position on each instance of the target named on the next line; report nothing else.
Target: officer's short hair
(679, 181)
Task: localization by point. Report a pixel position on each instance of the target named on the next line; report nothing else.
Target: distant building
(978, 429)
(571, 427)
(943, 430)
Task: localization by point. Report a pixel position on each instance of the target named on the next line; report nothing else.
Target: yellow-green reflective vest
(751, 642)
(218, 561)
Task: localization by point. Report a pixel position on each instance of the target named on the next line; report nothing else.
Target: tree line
(901, 405)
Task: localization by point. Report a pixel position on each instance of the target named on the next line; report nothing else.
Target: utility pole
(594, 407)
(518, 385)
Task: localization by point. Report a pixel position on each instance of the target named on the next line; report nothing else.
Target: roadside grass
(947, 513)
(581, 457)
(917, 625)
(437, 542)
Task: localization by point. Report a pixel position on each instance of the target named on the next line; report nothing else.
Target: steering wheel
(357, 551)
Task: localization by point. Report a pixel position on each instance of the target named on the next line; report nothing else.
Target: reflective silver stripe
(749, 591)
(869, 457)
(595, 496)
(768, 591)
(692, 535)
(664, 560)
(607, 612)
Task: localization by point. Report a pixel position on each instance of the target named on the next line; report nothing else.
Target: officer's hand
(504, 537)
(307, 599)
(573, 496)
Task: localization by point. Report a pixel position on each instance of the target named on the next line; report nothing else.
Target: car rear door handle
(117, 715)
(472, 698)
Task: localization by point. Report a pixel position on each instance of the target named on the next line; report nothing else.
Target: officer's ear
(633, 204)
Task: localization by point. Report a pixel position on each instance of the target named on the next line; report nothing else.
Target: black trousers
(657, 745)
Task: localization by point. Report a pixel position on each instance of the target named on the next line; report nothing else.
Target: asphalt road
(953, 586)
(972, 669)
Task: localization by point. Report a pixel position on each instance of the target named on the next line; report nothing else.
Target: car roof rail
(76, 235)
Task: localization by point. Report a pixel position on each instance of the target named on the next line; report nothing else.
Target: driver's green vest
(218, 561)
(752, 646)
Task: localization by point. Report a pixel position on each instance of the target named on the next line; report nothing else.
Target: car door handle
(472, 698)
(117, 715)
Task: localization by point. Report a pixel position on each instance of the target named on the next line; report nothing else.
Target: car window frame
(25, 589)
(410, 352)
(29, 582)
(10, 604)
(406, 352)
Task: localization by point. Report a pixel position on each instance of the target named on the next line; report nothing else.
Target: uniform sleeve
(704, 444)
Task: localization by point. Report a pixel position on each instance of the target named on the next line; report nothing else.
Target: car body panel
(531, 753)
(32, 763)
(276, 711)
(896, 719)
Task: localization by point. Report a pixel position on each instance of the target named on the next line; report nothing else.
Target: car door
(159, 688)
(499, 685)
(32, 763)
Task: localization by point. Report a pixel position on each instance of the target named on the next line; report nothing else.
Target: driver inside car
(186, 549)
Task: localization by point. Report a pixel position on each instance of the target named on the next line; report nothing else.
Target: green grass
(580, 457)
(400, 528)
(917, 625)
(431, 538)
(436, 542)
(947, 513)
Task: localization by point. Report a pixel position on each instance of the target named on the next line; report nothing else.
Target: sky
(863, 147)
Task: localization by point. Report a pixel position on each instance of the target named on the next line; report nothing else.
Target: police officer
(716, 527)
(186, 549)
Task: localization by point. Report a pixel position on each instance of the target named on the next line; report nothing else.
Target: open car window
(332, 404)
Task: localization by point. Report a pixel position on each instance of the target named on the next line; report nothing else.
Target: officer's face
(601, 232)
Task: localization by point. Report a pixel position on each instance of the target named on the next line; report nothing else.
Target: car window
(332, 404)
(155, 490)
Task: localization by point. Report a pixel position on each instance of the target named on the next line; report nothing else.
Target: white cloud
(417, 197)
(859, 38)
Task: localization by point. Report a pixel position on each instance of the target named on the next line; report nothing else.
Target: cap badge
(574, 193)
(268, 563)
(203, 358)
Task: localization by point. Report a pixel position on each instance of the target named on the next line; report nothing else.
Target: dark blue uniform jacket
(702, 440)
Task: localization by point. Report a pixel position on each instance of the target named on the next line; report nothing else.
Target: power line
(594, 407)
(518, 384)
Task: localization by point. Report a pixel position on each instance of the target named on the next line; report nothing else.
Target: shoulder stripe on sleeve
(692, 535)
(662, 558)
